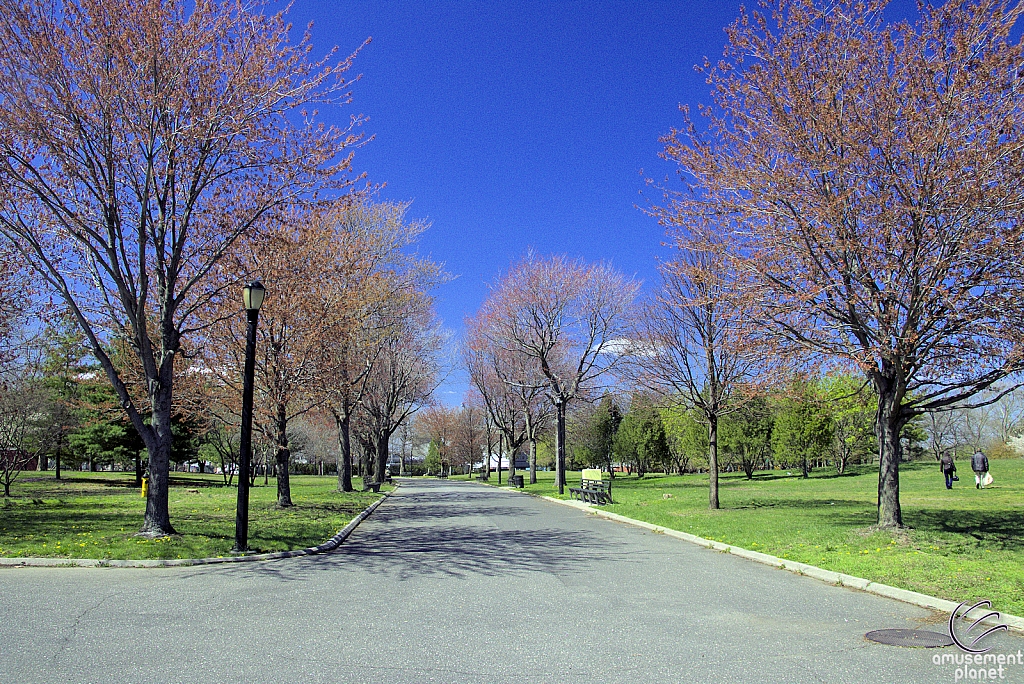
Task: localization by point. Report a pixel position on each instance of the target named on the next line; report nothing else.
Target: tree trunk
(344, 452)
(56, 464)
(138, 469)
(284, 488)
(383, 449)
(713, 462)
(511, 459)
(841, 463)
(803, 467)
(533, 461)
(500, 441)
(157, 522)
(560, 447)
(888, 425)
(490, 445)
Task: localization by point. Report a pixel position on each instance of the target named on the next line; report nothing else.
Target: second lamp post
(252, 297)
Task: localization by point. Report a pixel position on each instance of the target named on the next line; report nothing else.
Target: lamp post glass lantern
(252, 299)
(252, 295)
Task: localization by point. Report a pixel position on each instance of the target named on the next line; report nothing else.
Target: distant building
(522, 462)
(17, 459)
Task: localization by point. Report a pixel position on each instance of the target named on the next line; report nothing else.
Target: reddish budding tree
(368, 285)
(499, 399)
(405, 374)
(571, 318)
(138, 140)
(438, 424)
(16, 294)
(873, 178)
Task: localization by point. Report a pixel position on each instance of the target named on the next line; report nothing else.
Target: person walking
(979, 464)
(948, 468)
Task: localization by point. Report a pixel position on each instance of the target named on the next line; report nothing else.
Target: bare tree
(571, 318)
(511, 385)
(23, 434)
(943, 430)
(1008, 415)
(499, 399)
(693, 347)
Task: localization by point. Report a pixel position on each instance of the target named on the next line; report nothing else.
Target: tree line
(850, 208)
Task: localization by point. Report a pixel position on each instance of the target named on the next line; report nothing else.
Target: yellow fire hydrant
(145, 487)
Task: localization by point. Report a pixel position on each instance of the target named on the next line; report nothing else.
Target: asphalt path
(458, 582)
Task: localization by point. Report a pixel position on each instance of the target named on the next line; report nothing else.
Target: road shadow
(406, 552)
(421, 534)
(445, 511)
(426, 506)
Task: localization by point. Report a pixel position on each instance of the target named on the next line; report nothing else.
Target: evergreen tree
(63, 364)
(641, 440)
(803, 427)
(433, 460)
(746, 434)
(687, 439)
(594, 436)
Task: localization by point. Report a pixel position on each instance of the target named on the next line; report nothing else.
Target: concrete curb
(328, 546)
(835, 578)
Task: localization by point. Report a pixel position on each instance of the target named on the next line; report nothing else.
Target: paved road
(451, 582)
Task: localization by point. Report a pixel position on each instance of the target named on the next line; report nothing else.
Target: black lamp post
(252, 298)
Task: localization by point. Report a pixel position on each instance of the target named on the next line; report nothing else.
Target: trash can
(516, 481)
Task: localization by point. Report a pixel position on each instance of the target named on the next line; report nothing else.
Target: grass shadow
(996, 527)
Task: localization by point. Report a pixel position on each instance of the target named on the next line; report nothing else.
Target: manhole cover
(915, 638)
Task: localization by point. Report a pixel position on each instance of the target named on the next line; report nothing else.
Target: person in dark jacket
(979, 464)
(948, 468)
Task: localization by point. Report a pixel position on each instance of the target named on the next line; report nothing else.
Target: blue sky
(518, 125)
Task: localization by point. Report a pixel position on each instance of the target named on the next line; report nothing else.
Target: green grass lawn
(960, 545)
(95, 515)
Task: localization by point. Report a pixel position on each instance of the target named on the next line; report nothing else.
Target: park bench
(592, 489)
(370, 484)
